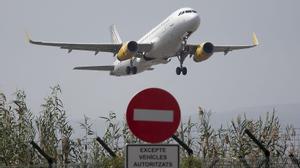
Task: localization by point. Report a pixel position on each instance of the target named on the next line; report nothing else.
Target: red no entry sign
(153, 115)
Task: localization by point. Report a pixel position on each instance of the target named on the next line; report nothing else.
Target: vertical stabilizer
(115, 37)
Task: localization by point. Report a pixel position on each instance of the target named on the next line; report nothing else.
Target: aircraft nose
(197, 18)
(194, 21)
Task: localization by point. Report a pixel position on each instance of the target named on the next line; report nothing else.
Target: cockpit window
(186, 11)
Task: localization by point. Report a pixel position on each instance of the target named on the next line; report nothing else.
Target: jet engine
(127, 51)
(203, 51)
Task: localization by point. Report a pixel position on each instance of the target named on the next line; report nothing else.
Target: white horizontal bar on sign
(153, 115)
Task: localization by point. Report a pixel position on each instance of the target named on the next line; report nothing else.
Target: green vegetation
(212, 147)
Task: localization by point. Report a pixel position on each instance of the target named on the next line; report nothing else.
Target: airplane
(164, 42)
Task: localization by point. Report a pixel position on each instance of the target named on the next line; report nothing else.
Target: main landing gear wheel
(130, 70)
(134, 70)
(182, 70)
(178, 70)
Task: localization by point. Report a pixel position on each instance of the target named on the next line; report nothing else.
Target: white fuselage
(167, 38)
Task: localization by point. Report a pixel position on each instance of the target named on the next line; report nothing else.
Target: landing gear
(178, 70)
(134, 69)
(182, 70)
(131, 69)
(182, 54)
(128, 70)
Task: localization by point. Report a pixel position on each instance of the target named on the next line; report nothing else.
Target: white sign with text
(152, 156)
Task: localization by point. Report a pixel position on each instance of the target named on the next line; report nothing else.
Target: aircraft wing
(96, 68)
(227, 48)
(104, 47)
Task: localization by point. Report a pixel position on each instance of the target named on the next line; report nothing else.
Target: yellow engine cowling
(127, 51)
(203, 51)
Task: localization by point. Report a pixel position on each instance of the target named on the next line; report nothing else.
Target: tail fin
(115, 37)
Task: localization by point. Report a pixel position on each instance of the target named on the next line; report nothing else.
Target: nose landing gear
(183, 53)
(182, 70)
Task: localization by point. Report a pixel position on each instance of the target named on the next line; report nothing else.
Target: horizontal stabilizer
(96, 68)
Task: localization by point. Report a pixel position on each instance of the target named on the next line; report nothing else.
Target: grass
(51, 130)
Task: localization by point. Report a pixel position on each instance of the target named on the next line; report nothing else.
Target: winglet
(28, 39)
(254, 39)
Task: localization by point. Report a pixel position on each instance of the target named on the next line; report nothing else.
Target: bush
(223, 146)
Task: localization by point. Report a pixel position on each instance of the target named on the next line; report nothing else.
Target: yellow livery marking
(124, 53)
(254, 39)
(28, 39)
